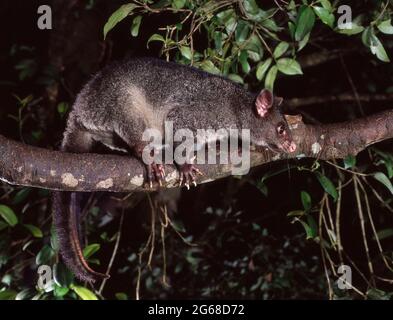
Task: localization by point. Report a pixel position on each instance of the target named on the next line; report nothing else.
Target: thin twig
(115, 250)
(363, 227)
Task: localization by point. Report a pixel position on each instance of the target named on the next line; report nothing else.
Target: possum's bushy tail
(66, 214)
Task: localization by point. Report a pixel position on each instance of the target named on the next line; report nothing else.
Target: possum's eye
(281, 129)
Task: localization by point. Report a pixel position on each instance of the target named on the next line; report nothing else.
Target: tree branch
(36, 167)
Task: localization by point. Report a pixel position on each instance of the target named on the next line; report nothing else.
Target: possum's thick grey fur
(127, 97)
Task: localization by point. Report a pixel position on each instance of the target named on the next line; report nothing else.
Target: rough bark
(31, 166)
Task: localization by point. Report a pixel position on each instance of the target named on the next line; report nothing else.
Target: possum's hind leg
(155, 172)
(187, 174)
(67, 211)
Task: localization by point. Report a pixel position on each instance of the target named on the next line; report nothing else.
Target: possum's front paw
(188, 173)
(155, 173)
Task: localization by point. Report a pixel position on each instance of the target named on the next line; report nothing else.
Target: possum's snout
(289, 146)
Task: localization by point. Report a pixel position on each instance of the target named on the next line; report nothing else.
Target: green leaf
(159, 4)
(155, 37)
(254, 48)
(118, 16)
(327, 185)
(389, 167)
(306, 200)
(292, 29)
(367, 36)
(121, 296)
(178, 4)
(349, 162)
(351, 29)
(235, 77)
(271, 25)
(35, 231)
(243, 61)
(62, 276)
(84, 293)
(385, 233)
(387, 160)
(326, 4)
(305, 22)
(90, 250)
(60, 291)
(271, 78)
(309, 230)
(224, 16)
(281, 48)
(291, 5)
(377, 49)
(136, 23)
(209, 66)
(8, 295)
(231, 23)
(313, 226)
(242, 31)
(8, 215)
(217, 36)
(262, 68)
(251, 6)
(21, 196)
(377, 294)
(253, 11)
(325, 15)
(386, 27)
(62, 108)
(370, 40)
(45, 255)
(186, 52)
(289, 66)
(381, 177)
(303, 42)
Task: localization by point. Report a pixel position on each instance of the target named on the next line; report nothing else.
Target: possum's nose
(292, 147)
(288, 146)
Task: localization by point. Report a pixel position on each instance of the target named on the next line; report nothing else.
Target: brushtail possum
(126, 98)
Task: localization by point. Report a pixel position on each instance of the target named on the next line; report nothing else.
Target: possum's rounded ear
(264, 102)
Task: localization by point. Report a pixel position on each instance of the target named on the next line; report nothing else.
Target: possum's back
(150, 88)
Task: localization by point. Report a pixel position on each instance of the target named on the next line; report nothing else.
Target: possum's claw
(188, 173)
(155, 173)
